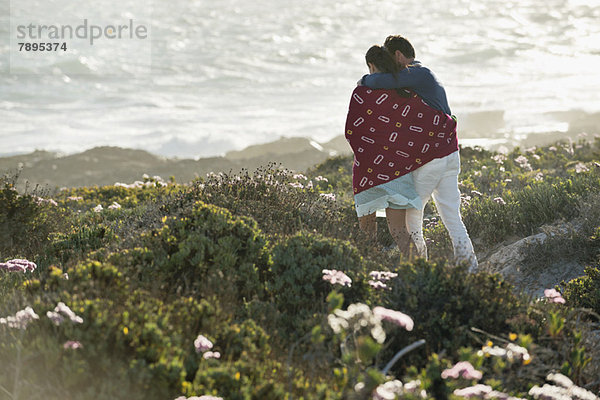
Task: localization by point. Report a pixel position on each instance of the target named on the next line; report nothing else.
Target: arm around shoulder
(407, 78)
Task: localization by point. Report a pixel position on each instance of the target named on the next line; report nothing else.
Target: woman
(391, 134)
(396, 196)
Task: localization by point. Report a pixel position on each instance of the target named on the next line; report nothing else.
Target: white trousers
(439, 178)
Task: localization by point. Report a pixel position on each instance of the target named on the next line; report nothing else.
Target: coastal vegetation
(259, 285)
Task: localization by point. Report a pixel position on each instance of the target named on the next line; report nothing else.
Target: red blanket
(392, 135)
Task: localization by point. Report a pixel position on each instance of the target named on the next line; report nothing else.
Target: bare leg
(368, 224)
(397, 224)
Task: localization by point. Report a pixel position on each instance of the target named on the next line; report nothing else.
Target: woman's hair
(382, 59)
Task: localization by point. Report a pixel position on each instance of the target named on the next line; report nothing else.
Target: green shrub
(246, 370)
(584, 291)
(268, 197)
(79, 242)
(445, 302)
(207, 252)
(25, 221)
(128, 336)
(523, 211)
(296, 280)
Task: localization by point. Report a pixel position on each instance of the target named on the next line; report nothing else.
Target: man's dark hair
(397, 42)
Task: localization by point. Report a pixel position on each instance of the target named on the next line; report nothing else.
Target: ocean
(225, 75)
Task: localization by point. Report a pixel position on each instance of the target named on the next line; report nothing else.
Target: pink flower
(98, 208)
(336, 277)
(523, 162)
(75, 198)
(395, 317)
(40, 200)
(211, 354)
(553, 296)
(296, 185)
(500, 200)
(18, 264)
(114, 206)
(202, 344)
(199, 398)
(462, 369)
(499, 158)
(473, 391)
(72, 345)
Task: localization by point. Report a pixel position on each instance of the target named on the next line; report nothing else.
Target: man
(438, 178)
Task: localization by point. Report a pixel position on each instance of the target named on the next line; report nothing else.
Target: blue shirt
(415, 77)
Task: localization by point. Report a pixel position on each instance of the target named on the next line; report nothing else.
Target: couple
(405, 150)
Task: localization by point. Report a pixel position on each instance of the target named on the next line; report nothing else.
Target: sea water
(232, 73)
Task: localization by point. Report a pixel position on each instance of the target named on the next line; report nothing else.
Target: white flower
(357, 317)
(388, 390)
(328, 196)
(581, 167)
(21, 319)
(60, 312)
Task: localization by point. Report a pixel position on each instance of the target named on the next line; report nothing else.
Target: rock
(510, 261)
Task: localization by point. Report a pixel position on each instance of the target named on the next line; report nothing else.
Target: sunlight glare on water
(229, 74)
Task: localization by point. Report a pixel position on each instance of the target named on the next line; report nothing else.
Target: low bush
(584, 291)
(296, 283)
(207, 252)
(26, 220)
(446, 302)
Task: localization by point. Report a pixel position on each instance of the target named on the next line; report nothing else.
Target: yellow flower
(489, 343)
(512, 336)
(527, 361)
(125, 330)
(237, 376)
